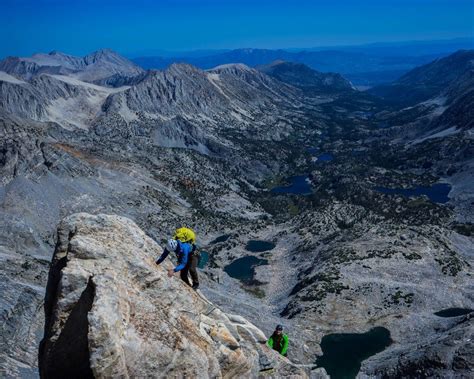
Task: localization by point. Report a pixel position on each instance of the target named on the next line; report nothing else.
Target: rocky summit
(345, 216)
(112, 312)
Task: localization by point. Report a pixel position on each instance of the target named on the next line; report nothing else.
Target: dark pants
(191, 268)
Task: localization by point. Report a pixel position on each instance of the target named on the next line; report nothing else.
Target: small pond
(453, 312)
(203, 260)
(222, 238)
(244, 268)
(343, 353)
(326, 157)
(258, 246)
(300, 185)
(437, 193)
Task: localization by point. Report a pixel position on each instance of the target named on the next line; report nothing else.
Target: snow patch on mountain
(77, 82)
(443, 133)
(11, 79)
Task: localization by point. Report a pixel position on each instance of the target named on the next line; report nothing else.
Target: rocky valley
(331, 211)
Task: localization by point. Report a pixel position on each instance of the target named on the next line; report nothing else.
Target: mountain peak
(300, 75)
(105, 51)
(182, 67)
(232, 67)
(102, 54)
(58, 53)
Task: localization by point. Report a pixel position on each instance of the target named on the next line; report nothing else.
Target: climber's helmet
(172, 244)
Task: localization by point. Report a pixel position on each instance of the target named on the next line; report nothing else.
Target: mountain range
(100, 67)
(365, 65)
(428, 81)
(344, 187)
(351, 64)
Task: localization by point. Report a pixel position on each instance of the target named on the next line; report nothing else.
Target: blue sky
(78, 27)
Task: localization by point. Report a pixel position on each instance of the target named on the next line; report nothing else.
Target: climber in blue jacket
(184, 252)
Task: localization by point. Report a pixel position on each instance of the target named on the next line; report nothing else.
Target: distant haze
(146, 27)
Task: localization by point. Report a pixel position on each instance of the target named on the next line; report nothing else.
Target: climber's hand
(170, 272)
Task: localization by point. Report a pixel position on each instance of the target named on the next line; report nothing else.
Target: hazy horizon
(79, 27)
(177, 52)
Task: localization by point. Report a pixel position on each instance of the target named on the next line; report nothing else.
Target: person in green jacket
(279, 341)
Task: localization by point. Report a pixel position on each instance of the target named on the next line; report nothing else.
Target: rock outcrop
(302, 76)
(111, 312)
(446, 354)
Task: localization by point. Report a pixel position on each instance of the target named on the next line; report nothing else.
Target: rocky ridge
(54, 98)
(101, 67)
(110, 311)
(425, 82)
(300, 75)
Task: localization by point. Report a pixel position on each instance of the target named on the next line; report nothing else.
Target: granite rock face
(112, 312)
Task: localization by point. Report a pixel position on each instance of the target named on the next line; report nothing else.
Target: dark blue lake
(438, 193)
(326, 157)
(343, 353)
(244, 268)
(222, 238)
(258, 246)
(299, 185)
(454, 312)
(203, 260)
